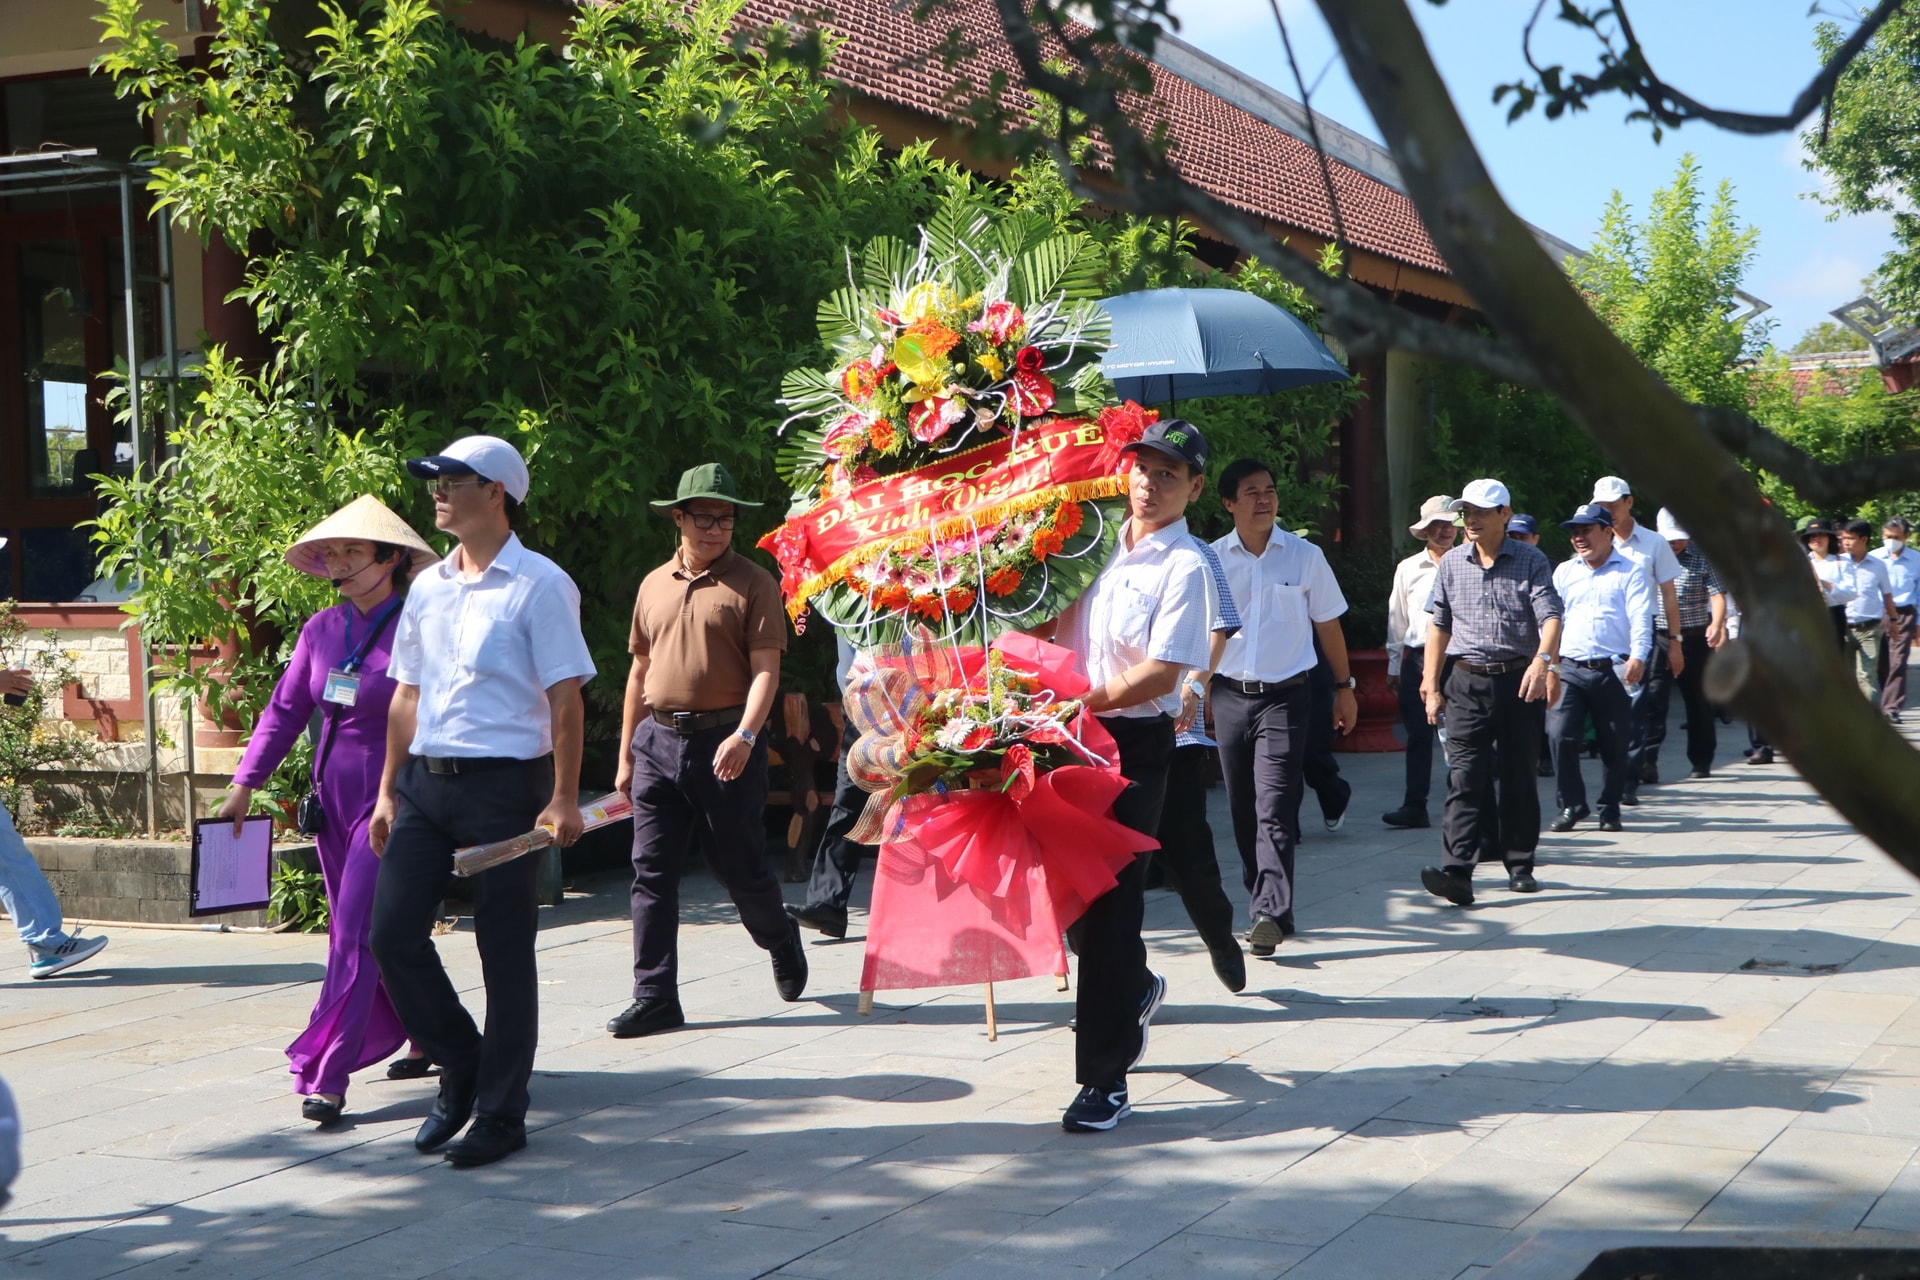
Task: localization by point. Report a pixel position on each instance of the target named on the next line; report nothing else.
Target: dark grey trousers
(1599, 696)
(837, 861)
(1263, 745)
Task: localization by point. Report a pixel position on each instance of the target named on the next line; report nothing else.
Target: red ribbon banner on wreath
(1065, 460)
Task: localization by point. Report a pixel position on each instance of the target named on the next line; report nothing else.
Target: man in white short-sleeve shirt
(483, 744)
(1286, 594)
(1141, 624)
(1645, 547)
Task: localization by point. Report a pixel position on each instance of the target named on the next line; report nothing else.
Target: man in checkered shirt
(1490, 656)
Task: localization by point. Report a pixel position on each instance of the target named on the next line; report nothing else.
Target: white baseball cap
(1487, 494)
(1611, 489)
(1670, 528)
(488, 457)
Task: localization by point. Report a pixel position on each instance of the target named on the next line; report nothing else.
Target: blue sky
(1742, 54)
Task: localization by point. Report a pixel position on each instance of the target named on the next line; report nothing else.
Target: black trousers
(837, 861)
(1598, 696)
(1650, 711)
(1319, 769)
(1413, 719)
(1113, 958)
(1489, 727)
(437, 815)
(1263, 747)
(675, 794)
(1187, 856)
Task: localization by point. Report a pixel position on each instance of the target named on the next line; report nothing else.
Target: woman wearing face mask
(339, 667)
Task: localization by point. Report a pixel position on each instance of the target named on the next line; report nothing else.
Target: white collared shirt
(484, 652)
(1281, 594)
(1871, 587)
(1149, 603)
(1646, 548)
(1903, 571)
(1606, 612)
(1407, 614)
(1836, 570)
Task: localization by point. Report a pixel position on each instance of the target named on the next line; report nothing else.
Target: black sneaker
(790, 967)
(821, 917)
(1156, 992)
(1336, 814)
(1406, 815)
(647, 1017)
(1097, 1108)
(1265, 935)
(1443, 882)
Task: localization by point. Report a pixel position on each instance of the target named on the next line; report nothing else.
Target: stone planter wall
(147, 881)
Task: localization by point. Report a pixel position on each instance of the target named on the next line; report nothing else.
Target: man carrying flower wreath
(1141, 623)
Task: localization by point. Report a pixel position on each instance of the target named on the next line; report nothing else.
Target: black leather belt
(449, 766)
(1254, 688)
(1591, 664)
(1866, 626)
(695, 721)
(1496, 668)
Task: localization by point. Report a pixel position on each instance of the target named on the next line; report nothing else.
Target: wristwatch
(1348, 683)
(1198, 686)
(745, 735)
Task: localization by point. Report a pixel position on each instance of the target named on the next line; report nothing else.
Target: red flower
(1030, 360)
(864, 473)
(1016, 772)
(1120, 426)
(859, 380)
(845, 436)
(1066, 519)
(1003, 582)
(978, 738)
(1031, 393)
(1047, 735)
(887, 317)
(928, 420)
(1001, 322)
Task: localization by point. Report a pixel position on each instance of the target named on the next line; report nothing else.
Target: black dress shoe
(1545, 768)
(409, 1068)
(1564, 822)
(1406, 815)
(1629, 797)
(1229, 964)
(1610, 822)
(821, 917)
(790, 968)
(1701, 773)
(320, 1111)
(1455, 886)
(1265, 935)
(647, 1017)
(1649, 772)
(452, 1108)
(488, 1140)
(1763, 756)
(1521, 880)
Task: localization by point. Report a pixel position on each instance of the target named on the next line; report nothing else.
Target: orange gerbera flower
(960, 599)
(935, 338)
(1066, 519)
(1003, 582)
(882, 434)
(1046, 543)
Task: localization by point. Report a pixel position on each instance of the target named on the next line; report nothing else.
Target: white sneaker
(47, 961)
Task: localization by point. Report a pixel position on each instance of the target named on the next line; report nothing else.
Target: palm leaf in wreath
(883, 262)
(1066, 265)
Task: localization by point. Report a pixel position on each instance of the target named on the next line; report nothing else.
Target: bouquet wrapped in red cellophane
(992, 787)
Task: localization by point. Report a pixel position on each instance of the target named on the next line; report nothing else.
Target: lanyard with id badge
(342, 690)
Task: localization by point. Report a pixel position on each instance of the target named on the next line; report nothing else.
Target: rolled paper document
(471, 861)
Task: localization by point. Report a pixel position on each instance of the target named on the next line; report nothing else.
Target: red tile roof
(1231, 154)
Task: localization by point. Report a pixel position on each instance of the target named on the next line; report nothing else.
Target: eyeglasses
(443, 488)
(703, 521)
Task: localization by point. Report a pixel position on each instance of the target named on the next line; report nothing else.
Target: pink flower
(1001, 322)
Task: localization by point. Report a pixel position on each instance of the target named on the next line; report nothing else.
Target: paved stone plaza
(1711, 1022)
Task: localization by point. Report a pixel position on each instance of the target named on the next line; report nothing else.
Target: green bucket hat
(708, 480)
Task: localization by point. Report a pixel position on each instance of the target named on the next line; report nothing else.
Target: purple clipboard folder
(231, 874)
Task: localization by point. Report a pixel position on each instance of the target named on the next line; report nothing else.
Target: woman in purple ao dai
(339, 667)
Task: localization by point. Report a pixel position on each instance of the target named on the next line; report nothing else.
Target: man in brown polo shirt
(707, 636)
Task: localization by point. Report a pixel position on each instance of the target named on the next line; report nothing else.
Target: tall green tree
(1867, 146)
(1668, 285)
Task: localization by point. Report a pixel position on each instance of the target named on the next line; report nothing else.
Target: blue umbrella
(1174, 344)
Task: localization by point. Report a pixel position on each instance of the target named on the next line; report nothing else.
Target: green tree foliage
(1827, 336)
(1867, 145)
(556, 245)
(1669, 286)
(28, 740)
(1836, 415)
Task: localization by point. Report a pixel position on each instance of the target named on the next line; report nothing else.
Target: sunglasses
(444, 488)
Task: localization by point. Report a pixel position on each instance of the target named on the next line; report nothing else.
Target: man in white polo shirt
(1646, 548)
(483, 744)
(1141, 624)
(1286, 595)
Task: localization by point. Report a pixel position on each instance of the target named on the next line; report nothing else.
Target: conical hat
(368, 519)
